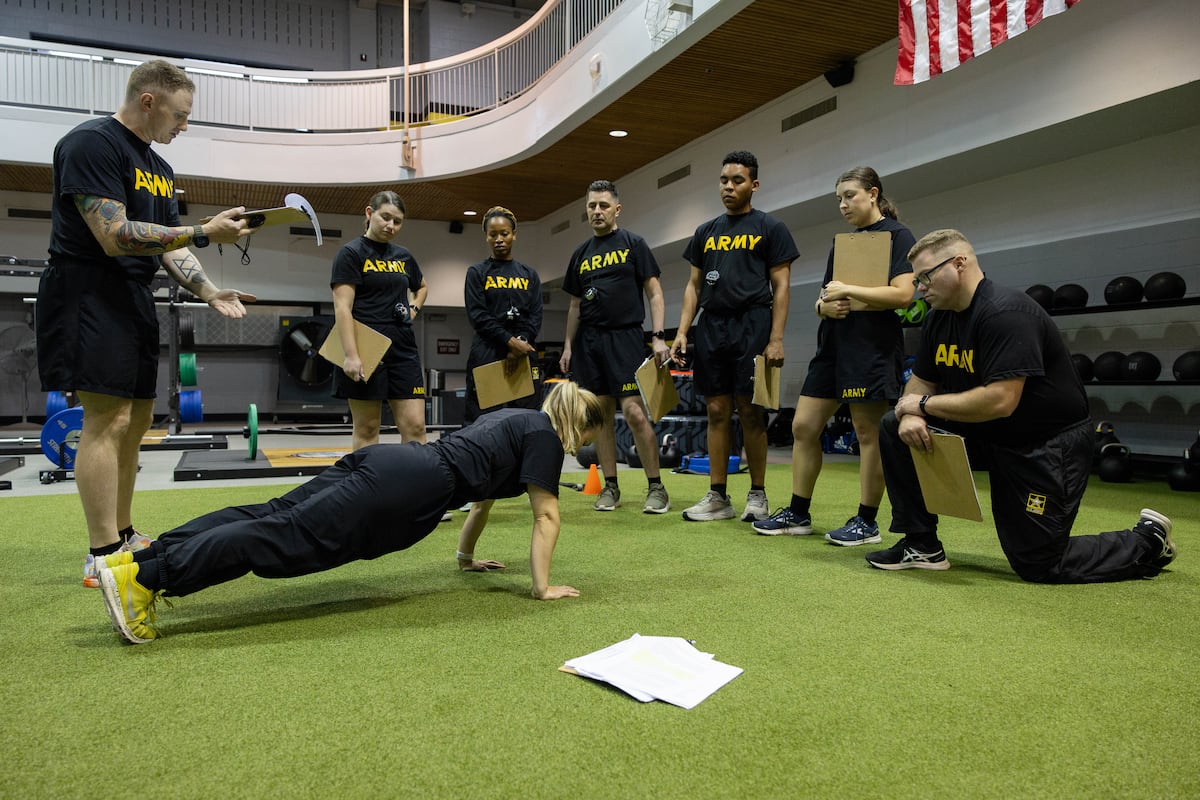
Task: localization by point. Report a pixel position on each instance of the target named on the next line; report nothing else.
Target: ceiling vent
(809, 114)
(677, 175)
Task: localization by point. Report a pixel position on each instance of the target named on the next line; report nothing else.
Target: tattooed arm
(121, 236)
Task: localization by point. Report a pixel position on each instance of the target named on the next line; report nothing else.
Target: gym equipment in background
(1116, 463)
(1123, 290)
(1070, 295)
(1042, 294)
(304, 377)
(1165, 286)
(1109, 366)
(1141, 366)
(18, 356)
(1187, 366)
(1185, 476)
(1083, 367)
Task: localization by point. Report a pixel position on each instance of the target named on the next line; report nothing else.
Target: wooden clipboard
(494, 388)
(946, 480)
(766, 384)
(372, 345)
(862, 259)
(270, 216)
(657, 388)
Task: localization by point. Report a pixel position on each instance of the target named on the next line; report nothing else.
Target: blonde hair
(572, 410)
(938, 240)
(157, 75)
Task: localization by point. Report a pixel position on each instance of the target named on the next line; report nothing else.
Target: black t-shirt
(102, 157)
(607, 273)
(734, 255)
(504, 299)
(500, 453)
(1004, 334)
(382, 274)
(878, 329)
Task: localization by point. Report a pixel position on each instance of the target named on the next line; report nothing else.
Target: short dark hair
(746, 159)
(604, 186)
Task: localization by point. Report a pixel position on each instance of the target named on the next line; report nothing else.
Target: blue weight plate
(191, 409)
(60, 437)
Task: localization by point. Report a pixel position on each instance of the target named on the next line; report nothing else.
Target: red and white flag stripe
(938, 35)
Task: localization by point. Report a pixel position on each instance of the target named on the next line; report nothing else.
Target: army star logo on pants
(1036, 504)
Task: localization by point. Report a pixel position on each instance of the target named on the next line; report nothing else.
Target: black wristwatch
(198, 237)
(659, 335)
(921, 405)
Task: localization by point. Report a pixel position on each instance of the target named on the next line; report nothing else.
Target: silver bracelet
(461, 556)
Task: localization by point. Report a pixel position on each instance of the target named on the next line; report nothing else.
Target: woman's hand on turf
(479, 565)
(556, 593)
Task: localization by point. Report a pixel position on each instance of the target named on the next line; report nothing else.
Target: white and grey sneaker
(609, 499)
(712, 506)
(657, 501)
(756, 506)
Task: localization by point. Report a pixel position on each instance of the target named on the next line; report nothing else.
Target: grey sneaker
(657, 501)
(1157, 528)
(756, 506)
(609, 499)
(711, 506)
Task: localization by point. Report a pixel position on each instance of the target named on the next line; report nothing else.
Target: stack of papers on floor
(647, 668)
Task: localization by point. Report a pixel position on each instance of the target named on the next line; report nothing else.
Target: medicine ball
(1187, 366)
(1165, 286)
(1083, 367)
(1070, 295)
(1109, 366)
(1141, 366)
(1042, 295)
(1123, 290)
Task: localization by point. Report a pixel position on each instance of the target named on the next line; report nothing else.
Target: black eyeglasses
(926, 277)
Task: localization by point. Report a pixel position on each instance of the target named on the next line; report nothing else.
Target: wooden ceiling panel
(763, 52)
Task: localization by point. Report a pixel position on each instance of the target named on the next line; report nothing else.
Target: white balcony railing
(92, 81)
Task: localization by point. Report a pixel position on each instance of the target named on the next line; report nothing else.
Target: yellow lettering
(723, 242)
(951, 356)
(710, 244)
(968, 360)
(141, 180)
(163, 187)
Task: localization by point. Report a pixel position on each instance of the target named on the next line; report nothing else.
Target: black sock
(125, 533)
(760, 487)
(719, 488)
(867, 513)
(652, 482)
(800, 505)
(611, 482)
(106, 549)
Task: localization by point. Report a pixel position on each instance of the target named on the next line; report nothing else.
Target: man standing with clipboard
(606, 278)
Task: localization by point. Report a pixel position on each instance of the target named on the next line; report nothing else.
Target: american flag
(938, 35)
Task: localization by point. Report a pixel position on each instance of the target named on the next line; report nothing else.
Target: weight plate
(187, 369)
(55, 402)
(191, 409)
(187, 330)
(60, 437)
(252, 426)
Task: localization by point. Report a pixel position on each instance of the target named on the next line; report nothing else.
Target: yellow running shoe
(129, 604)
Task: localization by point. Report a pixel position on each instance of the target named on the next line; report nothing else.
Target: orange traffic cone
(593, 481)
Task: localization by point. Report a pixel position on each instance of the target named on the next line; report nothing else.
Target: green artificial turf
(402, 677)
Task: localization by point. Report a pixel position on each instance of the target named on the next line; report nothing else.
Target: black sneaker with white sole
(1156, 529)
(904, 555)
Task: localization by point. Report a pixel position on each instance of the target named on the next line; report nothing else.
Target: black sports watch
(659, 335)
(921, 405)
(198, 237)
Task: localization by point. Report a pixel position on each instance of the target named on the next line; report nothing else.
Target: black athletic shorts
(97, 331)
(725, 350)
(852, 371)
(603, 360)
(398, 377)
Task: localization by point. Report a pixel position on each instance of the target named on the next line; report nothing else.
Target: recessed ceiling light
(470, 213)
(618, 134)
